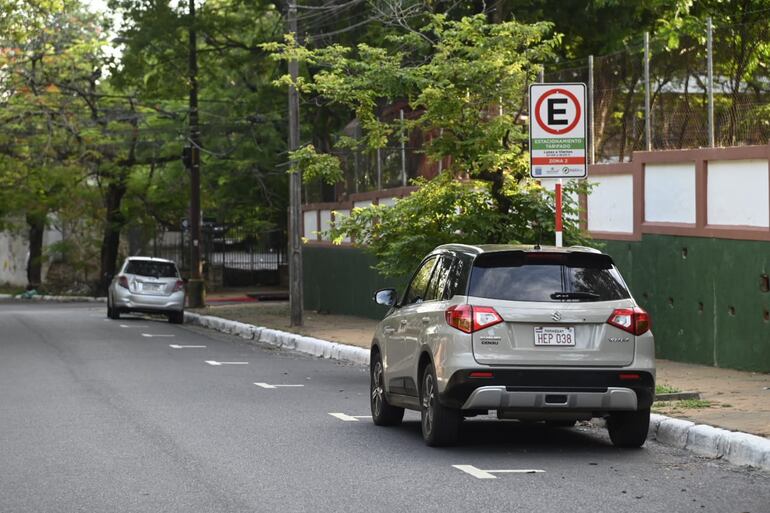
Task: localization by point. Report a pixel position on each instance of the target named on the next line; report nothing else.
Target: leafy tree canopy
(465, 81)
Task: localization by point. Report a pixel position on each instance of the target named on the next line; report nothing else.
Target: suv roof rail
(586, 248)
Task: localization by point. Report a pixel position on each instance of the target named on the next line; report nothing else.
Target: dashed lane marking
(266, 385)
(349, 418)
(489, 474)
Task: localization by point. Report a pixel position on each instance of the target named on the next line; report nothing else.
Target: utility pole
(195, 286)
(710, 82)
(647, 124)
(295, 188)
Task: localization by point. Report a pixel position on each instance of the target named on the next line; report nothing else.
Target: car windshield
(151, 268)
(550, 277)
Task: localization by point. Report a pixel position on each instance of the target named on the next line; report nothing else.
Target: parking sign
(557, 130)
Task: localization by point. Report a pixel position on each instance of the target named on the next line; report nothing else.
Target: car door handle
(425, 320)
(388, 329)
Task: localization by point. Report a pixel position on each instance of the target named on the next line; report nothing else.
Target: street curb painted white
(710, 442)
(59, 299)
(282, 339)
(703, 440)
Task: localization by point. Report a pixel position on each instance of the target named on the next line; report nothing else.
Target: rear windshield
(550, 277)
(150, 268)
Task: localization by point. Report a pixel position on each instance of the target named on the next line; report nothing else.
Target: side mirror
(386, 297)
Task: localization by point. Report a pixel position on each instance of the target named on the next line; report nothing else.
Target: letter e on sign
(557, 130)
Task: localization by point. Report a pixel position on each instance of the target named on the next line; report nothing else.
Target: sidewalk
(730, 399)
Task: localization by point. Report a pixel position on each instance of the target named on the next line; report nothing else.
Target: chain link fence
(678, 86)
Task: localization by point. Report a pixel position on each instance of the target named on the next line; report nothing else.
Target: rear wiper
(574, 295)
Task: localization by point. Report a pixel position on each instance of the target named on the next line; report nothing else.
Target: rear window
(150, 268)
(549, 277)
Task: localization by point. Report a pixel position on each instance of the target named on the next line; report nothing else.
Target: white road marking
(489, 474)
(349, 418)
(216, 363)
(134, 326)
(151, 335)
(265, 385)
(175, 346)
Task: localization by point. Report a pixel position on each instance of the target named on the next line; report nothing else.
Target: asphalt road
(96, 416)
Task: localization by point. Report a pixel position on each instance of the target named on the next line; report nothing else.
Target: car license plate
(545, 336)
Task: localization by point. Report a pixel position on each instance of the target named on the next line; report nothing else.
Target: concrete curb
(59, 299)
(703, 440)
(282, 339)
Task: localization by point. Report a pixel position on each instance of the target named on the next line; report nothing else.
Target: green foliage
(445, 210)
(465, 81)
(316, 166)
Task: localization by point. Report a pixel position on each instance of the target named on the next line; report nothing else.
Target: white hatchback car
(148, 285)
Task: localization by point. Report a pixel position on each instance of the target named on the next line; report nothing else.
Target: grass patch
(5, 288)
(666, 389)
(685, 404)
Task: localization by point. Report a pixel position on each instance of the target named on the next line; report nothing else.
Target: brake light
(123, 281)
(629, 377)
(478, 374)
(179, 285)
(468, 319)
(633, 320)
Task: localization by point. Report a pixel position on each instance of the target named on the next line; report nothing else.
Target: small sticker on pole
(557, 130)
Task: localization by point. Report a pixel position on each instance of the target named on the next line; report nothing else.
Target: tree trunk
(111, 239)
(36, 224)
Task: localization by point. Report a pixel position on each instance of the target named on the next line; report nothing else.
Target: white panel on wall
(388, 202)
(326, 223)
(310, 225)
(342, 213)
(669, 193)
(737, 192)
(611, 204)
(362, 204)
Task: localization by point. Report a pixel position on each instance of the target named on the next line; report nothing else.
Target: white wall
(13, 259)
(14, 251)
(388, 202)
(669, 193)
(611, 204)
(738, 193)
(326, 223)
(340, 214)
(310, 218)
(362, 204)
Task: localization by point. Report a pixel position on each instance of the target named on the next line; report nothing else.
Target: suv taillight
(123, 281)
(633, 320)
(179, 285)
(468, 319)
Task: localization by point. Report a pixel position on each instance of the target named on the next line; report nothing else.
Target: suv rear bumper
(496, 398)
(538, 389)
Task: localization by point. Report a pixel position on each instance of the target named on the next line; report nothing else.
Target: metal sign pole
(558, 214)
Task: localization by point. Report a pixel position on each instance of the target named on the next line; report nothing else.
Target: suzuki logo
(556, 316)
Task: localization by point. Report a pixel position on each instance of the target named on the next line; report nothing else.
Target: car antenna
(539, 236)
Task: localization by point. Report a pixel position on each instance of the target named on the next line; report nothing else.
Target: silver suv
(537, 334)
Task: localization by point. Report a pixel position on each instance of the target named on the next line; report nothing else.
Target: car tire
(383, 413)
(629, 428)
(176, 317)
(112, 312)
(440, 424)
